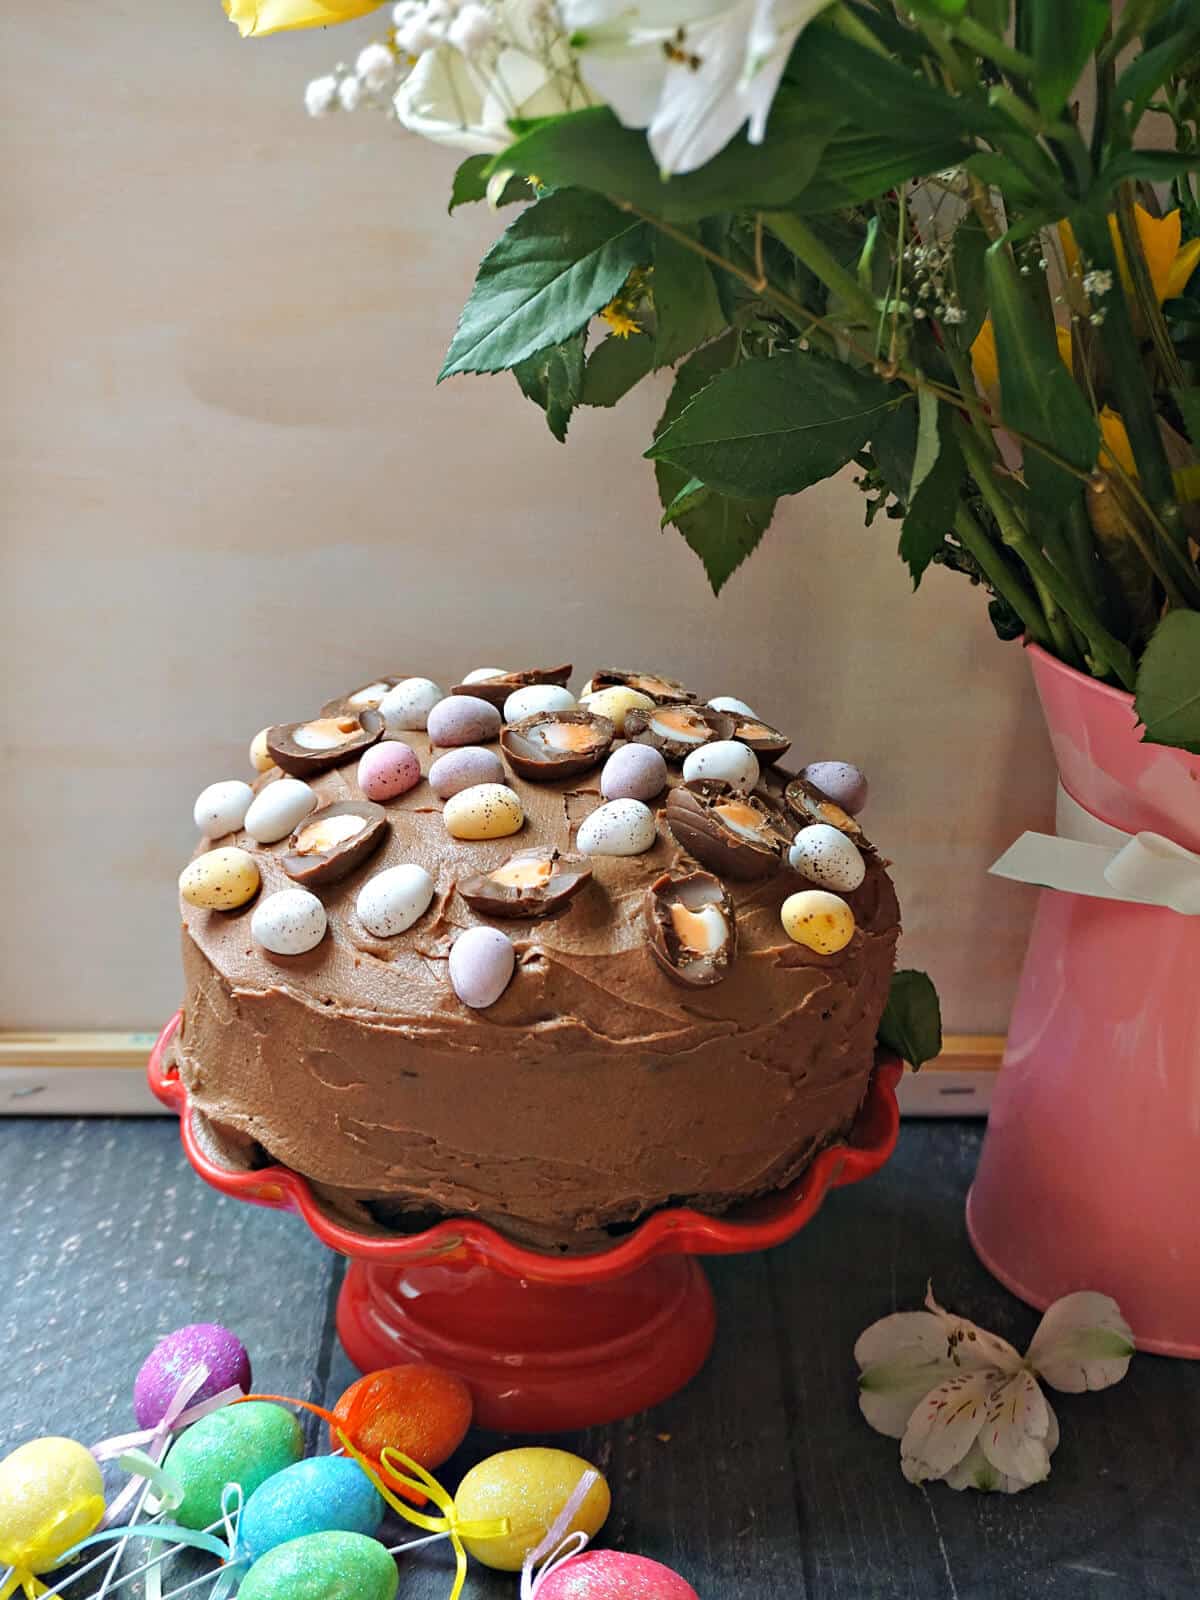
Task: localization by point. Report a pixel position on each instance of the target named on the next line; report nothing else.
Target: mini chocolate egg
(418, 1409)
(613, 1575)
(261, 758)
(222, 808)
(51, 1496)
(323, 1566)
(277, 808)
(484, 811)
(173, 1357)
(463, 719)
(616, 704)
(825, 856)
(391, 901)
(530, 1487)
(634, 772)
(842, 782)
(617, 828)
(537, 697)
(325, 1494)
(731, 703)
(220, 880)
(244, 1444)
(408, 705)
(388, 769)
(734, 763)
(464, 769)
(482, 962)
(482, 674)
(818, 920)
(289, 922)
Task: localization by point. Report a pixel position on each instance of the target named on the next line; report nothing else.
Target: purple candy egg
(843, 783)
(481, 964)
(165, 1368)
(633, 772)
(388, 769)
(462, 719)
(463, 769)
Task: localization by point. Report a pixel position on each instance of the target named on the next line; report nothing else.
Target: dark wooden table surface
(759, 1482)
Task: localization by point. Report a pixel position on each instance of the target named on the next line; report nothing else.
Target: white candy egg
(289, 922)
(482, 674)
(276, 810)
(727, 759)
(408, 705)
(482, 962)
(222, 807)
(826, 856)
(617, 828)
(731, 703)
(391, 901)
(537, 697)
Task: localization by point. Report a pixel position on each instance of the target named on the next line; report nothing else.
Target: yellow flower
(619, 320)
(274, 16)
(1116, 447)
(985, 360)
(1169, 263)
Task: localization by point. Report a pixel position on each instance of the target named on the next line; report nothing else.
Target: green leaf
(615, 366)
(693, 494)
(686, 306)
(1168, 683)
(1147, 73)
(911, 1024)
(549, 271)
(1188, 401)
(776, 426)
(553, 379)
(931, 508)
(928, 439)
(894, 446)
(470, 184)
(861, 166)
(1155, 166)
(970, 278)
(1063, 34)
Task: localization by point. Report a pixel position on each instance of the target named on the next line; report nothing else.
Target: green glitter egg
(244, 1444)
(323, 1566)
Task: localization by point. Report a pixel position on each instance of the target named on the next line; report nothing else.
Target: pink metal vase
(1090, 1172)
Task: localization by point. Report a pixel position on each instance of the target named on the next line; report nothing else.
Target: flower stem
(1000, 576)
(807, 248)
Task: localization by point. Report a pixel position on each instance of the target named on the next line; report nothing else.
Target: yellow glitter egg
(51, 1496)
(484, 811)
(220, 880)
(819, 920)
(617, 703)
(529, 1487)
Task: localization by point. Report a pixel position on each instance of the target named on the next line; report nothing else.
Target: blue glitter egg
(325, 1494)
(323, 1566)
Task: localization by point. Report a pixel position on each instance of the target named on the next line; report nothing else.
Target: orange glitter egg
(419, 1410)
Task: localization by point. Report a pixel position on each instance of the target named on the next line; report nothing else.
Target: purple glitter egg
(165, 1368)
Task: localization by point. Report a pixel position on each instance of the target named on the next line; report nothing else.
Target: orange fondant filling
(528, 874)
(328, 833)
(679, 722)
(701, 932)
(570, 736)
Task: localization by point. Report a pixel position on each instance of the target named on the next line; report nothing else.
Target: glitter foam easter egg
(51, 1496)
(244, 1444)
(325, 1494)
(614, 1575)
(530, 1487)
(418, 1409)
(323, 1566)
(222, 1352)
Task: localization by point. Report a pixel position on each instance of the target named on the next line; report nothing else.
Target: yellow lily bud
(275, 16)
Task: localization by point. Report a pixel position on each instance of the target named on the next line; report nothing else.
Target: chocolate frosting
(592, 1091)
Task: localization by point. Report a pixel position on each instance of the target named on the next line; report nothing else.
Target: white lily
(966, 1406)
(692, 72)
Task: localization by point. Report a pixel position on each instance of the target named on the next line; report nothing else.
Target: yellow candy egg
(51, 1496)
(220, 880)
(484, 811)
(261, 758)
(616, 703)
(819, 920)
(529, 1487)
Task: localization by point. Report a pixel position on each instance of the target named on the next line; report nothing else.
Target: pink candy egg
(173, 1358)
(462, 719)
(844, 784)
(388, 769)
(464, 769)
(633, 772)
(614, 1575)
(481, 963)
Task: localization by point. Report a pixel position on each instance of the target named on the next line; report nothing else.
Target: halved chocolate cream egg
(809, 804)
(766, 742)
(303, 748)
(677, 729)
(735, 835)
(532, 883)
(365, 698)
(556, 744)
(497, 690)
(666, 691)
(330, 843)
(692, 927)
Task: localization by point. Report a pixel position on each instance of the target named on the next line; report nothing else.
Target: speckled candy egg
(325, 1494)
(51, 1496)
(165, 1368)
(840, 781)
(464, 769)
(222, 807)
(462, 719)
(827, 857)
(616, 704)
(614, 1575)
(618, 828)
(537, 697)
(634, 772)
(818, 920)
(277, 809)
(391, 901)
(529, 1487)
(735, 707)
(244, 1444)
(261, 758)
(727, 759)
(408, 705)
(388, 769)
(323, 1566)
(220, 880)
(482, 961)
(482, 674)
(289, 922)
(485, 811)
(418, 1409)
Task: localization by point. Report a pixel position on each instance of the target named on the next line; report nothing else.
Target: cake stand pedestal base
(538, 1357)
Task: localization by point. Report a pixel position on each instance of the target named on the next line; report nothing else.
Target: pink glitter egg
(165, 1368)
(388, 769)
(614, 1575)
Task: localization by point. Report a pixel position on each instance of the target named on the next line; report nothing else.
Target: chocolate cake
(683, 1023)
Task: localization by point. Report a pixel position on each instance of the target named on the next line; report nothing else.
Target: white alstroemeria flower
(692, 72)
(966, 1407)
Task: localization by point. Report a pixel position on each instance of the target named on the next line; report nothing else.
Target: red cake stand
(547, 1343)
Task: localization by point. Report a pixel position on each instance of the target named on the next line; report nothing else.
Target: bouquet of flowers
(951, 242)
